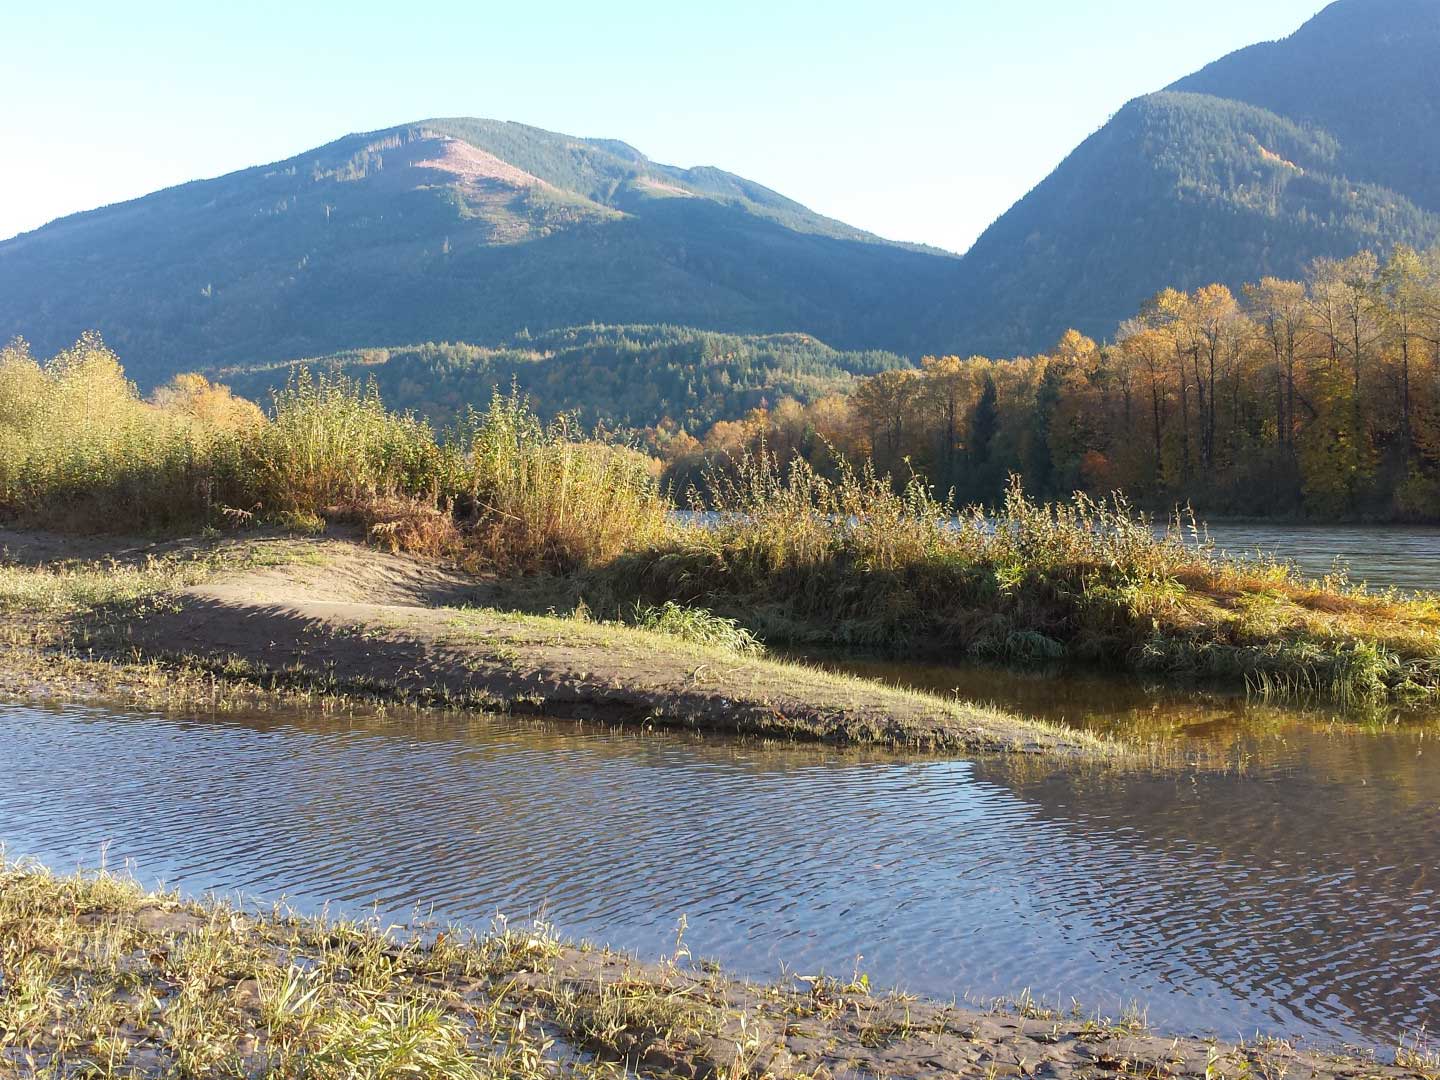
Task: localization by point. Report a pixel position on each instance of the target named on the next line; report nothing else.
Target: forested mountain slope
(618, 376)
(1323, 144)
(1319, 145)
(453, 230)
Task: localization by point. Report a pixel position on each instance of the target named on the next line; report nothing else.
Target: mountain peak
(1362, 70)
(452, 229)
(1323, 143)
(1373, 18)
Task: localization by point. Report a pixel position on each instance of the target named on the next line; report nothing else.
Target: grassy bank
(849, 561)
(104, 979)
(225, 622)
(791, 555)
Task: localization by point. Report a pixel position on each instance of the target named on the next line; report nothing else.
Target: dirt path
(334, 614)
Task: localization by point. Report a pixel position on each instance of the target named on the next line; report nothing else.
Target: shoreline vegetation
(788, 555)
(105, 979)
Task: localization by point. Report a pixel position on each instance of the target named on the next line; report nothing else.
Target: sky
(920, 121)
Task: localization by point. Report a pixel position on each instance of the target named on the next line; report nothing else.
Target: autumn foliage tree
(1318, 397)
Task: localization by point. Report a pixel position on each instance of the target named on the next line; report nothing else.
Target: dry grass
(103, 979)
(81, 452)
(801, 558)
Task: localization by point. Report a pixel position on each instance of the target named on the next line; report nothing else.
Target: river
(1384, 556)
(1293, 892)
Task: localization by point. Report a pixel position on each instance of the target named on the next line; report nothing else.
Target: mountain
(467, 230)
(1362, 70)
(1318, 145)
(457, 229)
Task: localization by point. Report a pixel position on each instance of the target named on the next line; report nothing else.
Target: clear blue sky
(918, 120)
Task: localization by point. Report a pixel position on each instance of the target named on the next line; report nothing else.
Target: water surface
(1294, 895)
(1380, 555)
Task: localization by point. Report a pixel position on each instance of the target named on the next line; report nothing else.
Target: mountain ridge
(453, 229)
(464, 229)
(1182, 188)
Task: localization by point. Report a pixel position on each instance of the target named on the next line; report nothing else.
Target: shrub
(80, 450)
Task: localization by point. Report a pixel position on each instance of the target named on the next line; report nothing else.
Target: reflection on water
(1296, 896)
(1107, 703)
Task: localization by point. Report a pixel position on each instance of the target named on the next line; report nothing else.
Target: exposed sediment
(347, 618)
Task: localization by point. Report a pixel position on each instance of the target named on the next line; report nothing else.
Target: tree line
(624, 377)
(1316, 398)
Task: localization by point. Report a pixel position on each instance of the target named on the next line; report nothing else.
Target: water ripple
(1299, 898)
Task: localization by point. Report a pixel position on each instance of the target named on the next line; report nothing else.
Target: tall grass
(853, 561)
(699, 627)
(331, 443)
(788, 554)
(546, 495)
(80, 450)
(508, 491)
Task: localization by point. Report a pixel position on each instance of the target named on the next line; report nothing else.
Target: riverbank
(790, 553)
(106, 979)
(198, 622)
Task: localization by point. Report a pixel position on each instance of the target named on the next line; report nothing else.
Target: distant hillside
(622, 376)
(453, 230)
(1319, 145)
(1365, 72)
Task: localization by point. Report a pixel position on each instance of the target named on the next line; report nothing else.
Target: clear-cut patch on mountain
(471, 166)
(649, 183)
(1276, 159)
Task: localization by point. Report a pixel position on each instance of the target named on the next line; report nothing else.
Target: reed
(507, 491)
(801, 558)
(785, 554)
(545, 496)
(331, 443)
(81, 451)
